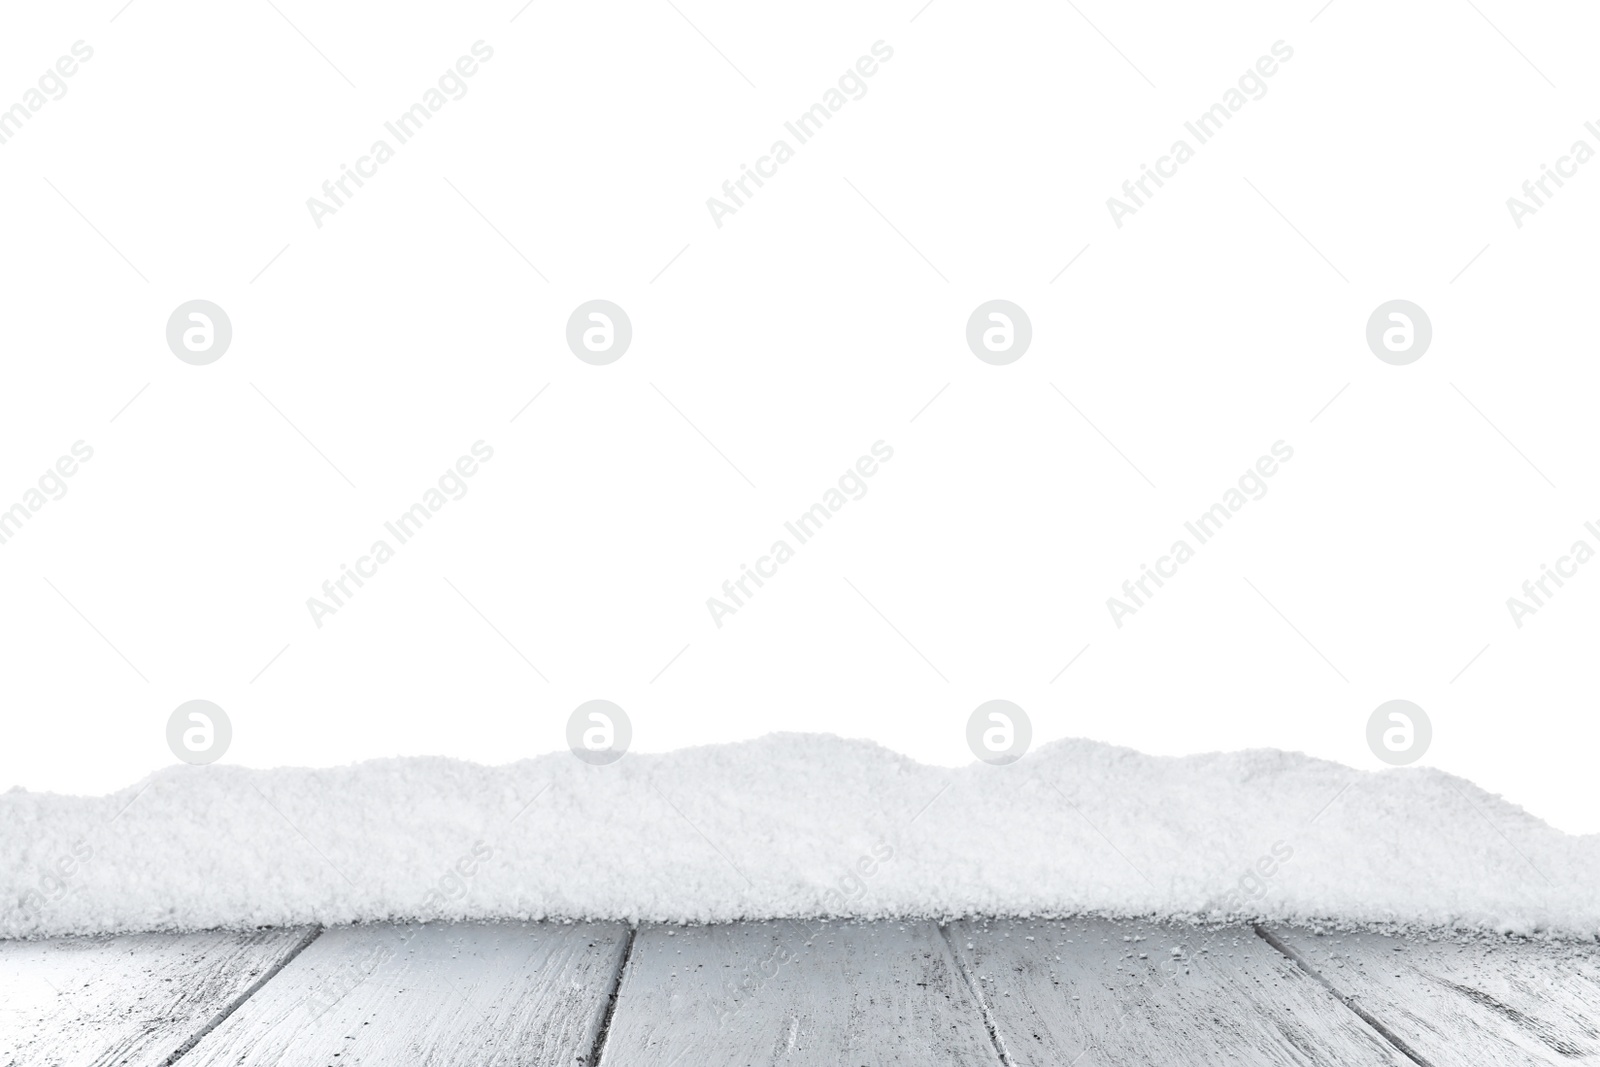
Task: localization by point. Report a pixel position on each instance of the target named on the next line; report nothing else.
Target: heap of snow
(791, 825)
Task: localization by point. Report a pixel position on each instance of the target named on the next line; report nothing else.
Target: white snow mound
(791, 825)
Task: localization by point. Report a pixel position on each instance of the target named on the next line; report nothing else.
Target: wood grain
(132, 1001)
(795, 993)
(1138, 993)
(1485, 1001)
(484, 994)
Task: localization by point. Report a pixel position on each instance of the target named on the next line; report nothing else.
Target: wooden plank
(132, 1000)
(1141, 993)
(795, 993)
(1491, 1001)
(438, 993)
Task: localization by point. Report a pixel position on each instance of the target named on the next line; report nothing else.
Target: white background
(805, 329)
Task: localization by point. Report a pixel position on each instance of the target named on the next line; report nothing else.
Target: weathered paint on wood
(132, 1001)
(1488, 1001)
(795, 993)
(1088, 991)
(479, 994)
(1140, 993)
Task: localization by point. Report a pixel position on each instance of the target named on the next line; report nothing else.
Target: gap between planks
(1348, 1001)
(597, 1053)
(989, 1021)
(238, 1002)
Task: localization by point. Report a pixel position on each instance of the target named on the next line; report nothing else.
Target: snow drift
(791, 825)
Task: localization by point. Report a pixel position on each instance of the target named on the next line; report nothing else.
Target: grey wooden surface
(1488, 1002)
(1028, 993)
(1108, 992)
(131, 1001)
(795, 993)
(480, 994)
